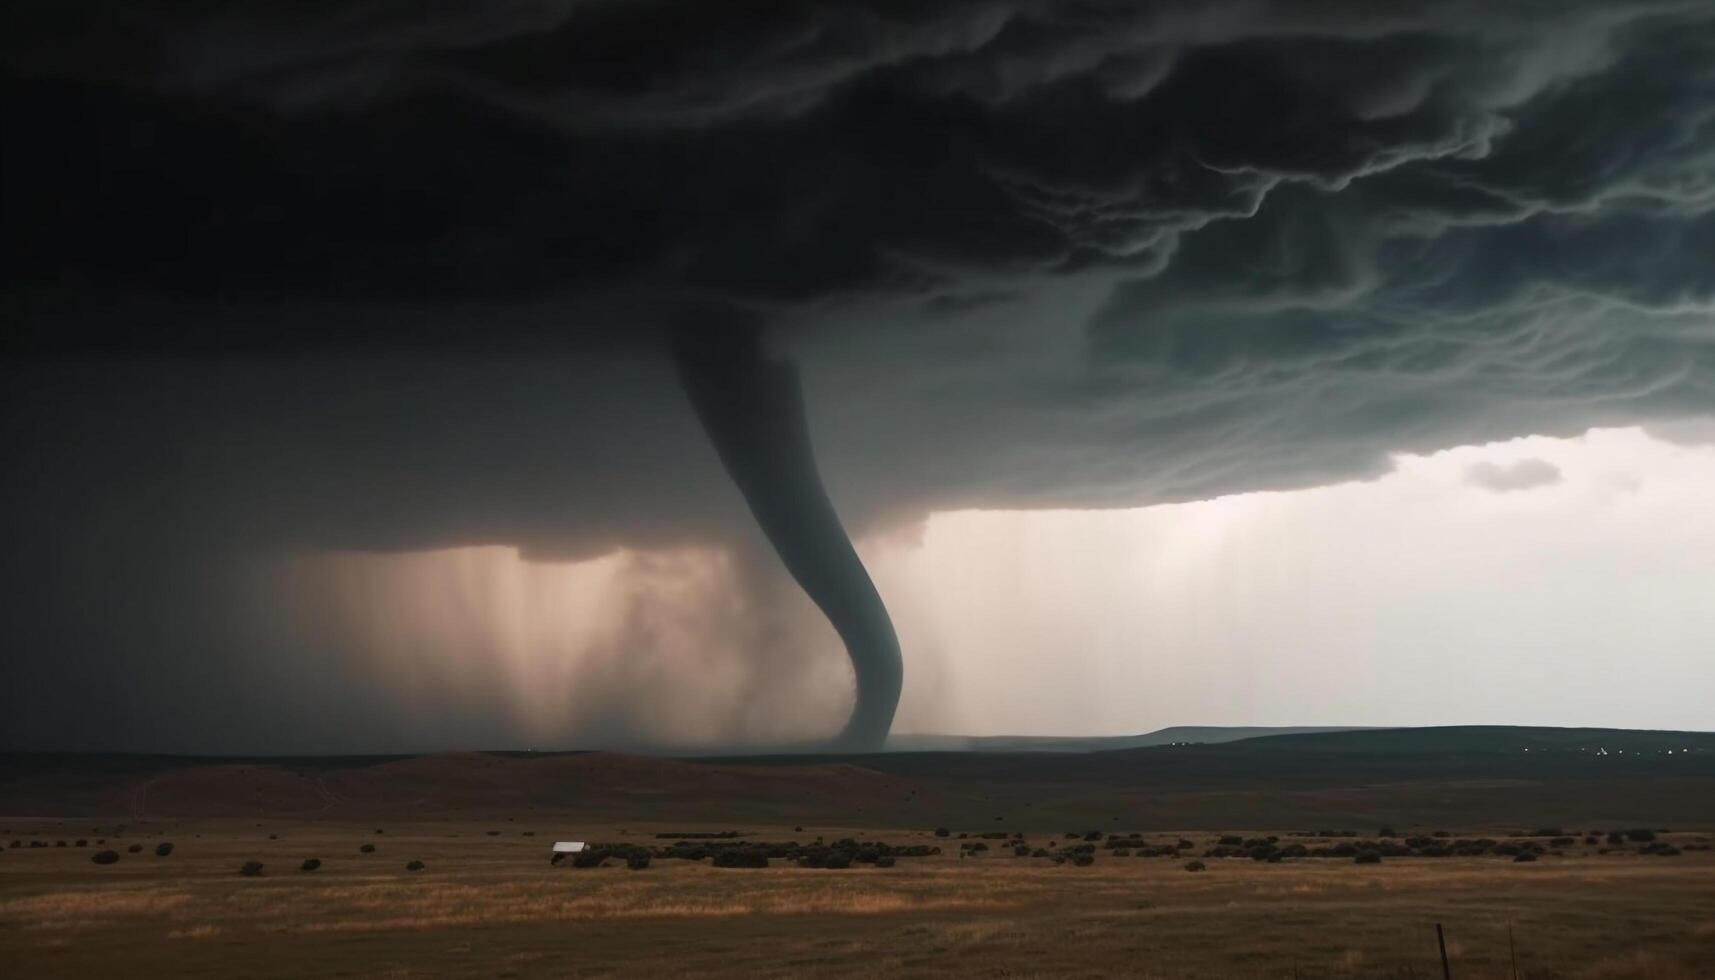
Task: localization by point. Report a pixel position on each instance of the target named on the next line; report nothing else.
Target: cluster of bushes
(742, 857)
(702, 835)
(733, 853)
(161, 850)
(1520, 846)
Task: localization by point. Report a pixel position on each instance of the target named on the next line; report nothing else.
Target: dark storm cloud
(393, 275)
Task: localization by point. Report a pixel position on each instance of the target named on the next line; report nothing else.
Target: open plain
(959, 865)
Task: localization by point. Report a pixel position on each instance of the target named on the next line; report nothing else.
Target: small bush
(1386, 832)
(59, 843)
(838, 861)
(82, 843)
(310, 864)
(1525, 856)
(163, 849)
(135, 849)
(885, 861)
(105, 857)
(943, 832)
(586, 858)
(637, 861)
(415, 866)
(741, 858)
(494, 833)
(367, 849)
(1641, 835)
(251, 869)
(1367, 857)
(1083, 860)
(1195, 866)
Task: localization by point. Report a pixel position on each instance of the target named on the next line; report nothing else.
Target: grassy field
(490, 905)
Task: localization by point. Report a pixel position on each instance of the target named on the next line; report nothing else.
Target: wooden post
(1441, 940)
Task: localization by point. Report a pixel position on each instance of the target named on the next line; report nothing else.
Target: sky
(1191, 341)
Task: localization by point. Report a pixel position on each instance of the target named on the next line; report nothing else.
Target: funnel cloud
(751, 405)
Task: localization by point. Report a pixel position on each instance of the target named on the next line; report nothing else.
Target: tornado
(751, 405)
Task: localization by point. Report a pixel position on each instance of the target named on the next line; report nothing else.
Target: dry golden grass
(492, 906)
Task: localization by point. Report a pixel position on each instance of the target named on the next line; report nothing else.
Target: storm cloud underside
(368, 277)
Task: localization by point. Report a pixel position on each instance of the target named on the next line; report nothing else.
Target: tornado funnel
(752, 408)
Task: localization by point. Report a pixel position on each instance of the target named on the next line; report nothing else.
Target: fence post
(1441, 940)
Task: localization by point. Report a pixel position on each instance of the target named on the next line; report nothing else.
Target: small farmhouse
(563, 848)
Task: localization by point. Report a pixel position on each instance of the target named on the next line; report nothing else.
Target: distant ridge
(1484, 739)
(1195, 734)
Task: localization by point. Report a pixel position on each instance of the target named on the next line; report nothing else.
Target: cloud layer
(379, 276)
(1525, 474)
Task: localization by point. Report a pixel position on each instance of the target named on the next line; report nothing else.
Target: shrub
(1231, 840)
(82, 843)
(59, 843)
(251, 869)
(745, 858)
(135, 849)
(1195, 866)
(494, 833)
(942, 832)
(1083, 860)
(1525, 856)
(310, 864)
(415, 866)
(163, 849)
(1641, 835)
(838, 860)
(1367, 857)
(885, 861)
(105, 857)
(587, 858)
(637, 861)
(367, 848)
(1386, 832)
